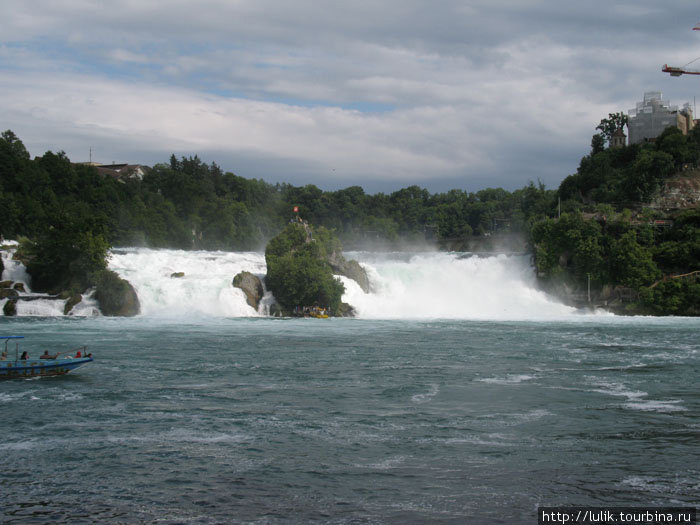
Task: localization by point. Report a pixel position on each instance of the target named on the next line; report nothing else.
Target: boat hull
(40, 367)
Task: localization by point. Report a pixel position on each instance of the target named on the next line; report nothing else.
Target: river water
(196, 418)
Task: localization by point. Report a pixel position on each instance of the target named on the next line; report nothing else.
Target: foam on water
(636, 399)
(427, 396)
(41, 307)
(88, 307)
(512, 379)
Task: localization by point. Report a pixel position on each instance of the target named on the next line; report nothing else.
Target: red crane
(678, 71)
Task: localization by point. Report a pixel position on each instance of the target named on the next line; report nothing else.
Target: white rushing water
(38, 305)
(13, 270)
(404, 286)
(177, 283)
(450, 286)
(205, 287)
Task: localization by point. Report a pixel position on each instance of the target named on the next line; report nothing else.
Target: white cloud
(124, 55)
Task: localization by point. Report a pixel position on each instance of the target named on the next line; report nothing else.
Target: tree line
(189, 204)
(74, 215)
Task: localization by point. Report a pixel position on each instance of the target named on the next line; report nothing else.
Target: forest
(595, 226)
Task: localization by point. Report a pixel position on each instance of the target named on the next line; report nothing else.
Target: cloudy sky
(443, 94)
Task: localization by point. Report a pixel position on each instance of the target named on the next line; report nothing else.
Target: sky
(442, 94)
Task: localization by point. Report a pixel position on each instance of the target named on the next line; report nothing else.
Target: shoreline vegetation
(622, 233)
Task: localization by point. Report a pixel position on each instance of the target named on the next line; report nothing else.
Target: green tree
(297, 271)
(608, 126)
(646, 174)
(597, 143)
(631, 264)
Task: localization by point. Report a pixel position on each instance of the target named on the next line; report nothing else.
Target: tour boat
(38, 366)
(318, 313)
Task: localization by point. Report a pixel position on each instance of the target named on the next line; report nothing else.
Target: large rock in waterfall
(10, 307)
(350, 269)
(252, 288)
(116, 296)
(71, 301)
(302, 262)
(8, 293)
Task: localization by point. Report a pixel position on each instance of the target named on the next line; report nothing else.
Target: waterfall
(435, 285)
(450, 286)
(186, 283)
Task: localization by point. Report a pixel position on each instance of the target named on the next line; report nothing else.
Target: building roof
(121, 171)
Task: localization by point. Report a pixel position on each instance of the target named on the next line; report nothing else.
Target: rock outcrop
(71, 302)
(116, 296)
(10, 307)
(346, 310)
(299, 274)
(277, 311)
(8, 293)
(251, 286)
(350, 269)
(679, 192)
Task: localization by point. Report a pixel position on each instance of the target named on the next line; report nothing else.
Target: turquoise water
(350, 421)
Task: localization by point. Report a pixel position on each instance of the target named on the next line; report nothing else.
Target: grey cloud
(495, 92)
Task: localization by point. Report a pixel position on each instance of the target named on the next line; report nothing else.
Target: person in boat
(46, 355)
(78, 354)
(24, 356)
(3, 356)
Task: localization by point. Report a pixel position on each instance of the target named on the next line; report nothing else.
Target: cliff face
(680, 192)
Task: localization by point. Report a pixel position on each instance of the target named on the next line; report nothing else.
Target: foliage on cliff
(298, 273)
(629, 176)
(623, 251)
(614, 252)
(618, 242)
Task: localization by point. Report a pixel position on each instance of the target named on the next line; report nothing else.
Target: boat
(47, 365)
(318, 313)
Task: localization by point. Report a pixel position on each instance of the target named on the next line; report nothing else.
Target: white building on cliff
(653, 115)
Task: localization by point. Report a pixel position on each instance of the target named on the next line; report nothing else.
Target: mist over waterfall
(404, 286)
(450, 286)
